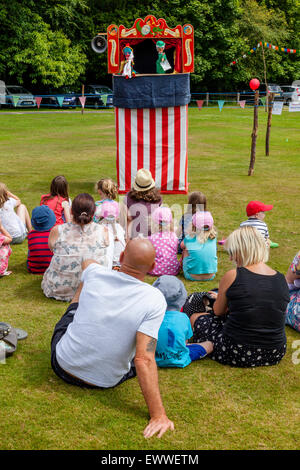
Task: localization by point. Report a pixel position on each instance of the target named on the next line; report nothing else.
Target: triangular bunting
(221, 104)
(82, 100)
(38, 100)
(104, 99)
(15, 100)
(199, 103)
(60, 100)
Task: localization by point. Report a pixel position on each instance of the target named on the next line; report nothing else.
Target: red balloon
(254, 84)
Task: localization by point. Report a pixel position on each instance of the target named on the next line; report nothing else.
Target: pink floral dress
(166, 262)
(5, 252)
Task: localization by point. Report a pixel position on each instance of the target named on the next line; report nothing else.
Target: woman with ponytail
(71, 243)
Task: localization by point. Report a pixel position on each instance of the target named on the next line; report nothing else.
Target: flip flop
(221, 242)
(6, 273)
(21, 334)
(274, 245)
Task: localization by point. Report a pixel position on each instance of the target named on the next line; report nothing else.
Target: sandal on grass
(8, 338)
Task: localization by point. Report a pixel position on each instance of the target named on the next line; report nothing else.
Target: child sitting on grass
(165, 242)
(109, 213)
(172, 349)
(14, 215)
(5, 250)
(39, 255)
(199, 247)
(196, 202)
(58, 200)
(108, 191)
(256, 214)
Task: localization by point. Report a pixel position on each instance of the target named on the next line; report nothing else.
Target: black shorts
(59, 330)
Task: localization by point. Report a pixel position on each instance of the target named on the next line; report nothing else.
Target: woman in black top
(247, 326)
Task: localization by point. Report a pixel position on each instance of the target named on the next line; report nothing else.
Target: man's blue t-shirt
(171, 349)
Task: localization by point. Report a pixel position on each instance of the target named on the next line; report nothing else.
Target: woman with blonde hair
(246, 327)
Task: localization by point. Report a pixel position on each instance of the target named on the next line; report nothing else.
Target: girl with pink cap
(165, 243)
(199, 247)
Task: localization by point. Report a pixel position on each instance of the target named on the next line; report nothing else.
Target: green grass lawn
(212, 406)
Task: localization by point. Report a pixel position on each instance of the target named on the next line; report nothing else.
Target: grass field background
(212, 406)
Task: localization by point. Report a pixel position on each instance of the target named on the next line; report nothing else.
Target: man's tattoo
(151, 345)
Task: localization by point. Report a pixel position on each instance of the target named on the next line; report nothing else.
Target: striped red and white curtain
(156, 139)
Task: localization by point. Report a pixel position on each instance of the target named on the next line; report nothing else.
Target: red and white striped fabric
(156, 139)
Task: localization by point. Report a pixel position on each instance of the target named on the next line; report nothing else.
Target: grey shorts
(19, 239)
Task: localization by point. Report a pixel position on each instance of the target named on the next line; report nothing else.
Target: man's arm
(148, 379)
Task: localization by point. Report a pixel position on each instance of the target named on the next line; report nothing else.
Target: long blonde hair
(108, 187)
(3, 194)
(202, 235)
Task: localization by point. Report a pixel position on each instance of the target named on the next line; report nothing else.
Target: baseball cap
(203, 219)
(256, 206)
(109, 210)
(173, 290)
(162, 215)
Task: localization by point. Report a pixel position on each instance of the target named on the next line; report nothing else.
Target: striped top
(39, 254)
(259, 225)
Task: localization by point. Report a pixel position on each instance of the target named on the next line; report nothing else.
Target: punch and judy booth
(151, 65)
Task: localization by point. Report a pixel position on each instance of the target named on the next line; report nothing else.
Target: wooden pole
(238, 98)
(270, 109)
(82, 93)
(254, 133)
(207, 98)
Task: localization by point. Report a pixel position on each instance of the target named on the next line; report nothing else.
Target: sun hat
(201, 220)
(162, 215)
(173, 290)
(42, 218)
(256, 206)
(143, 180)
(109, 210)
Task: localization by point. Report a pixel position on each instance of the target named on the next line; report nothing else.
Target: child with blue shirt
(172, 349)
(199, 258)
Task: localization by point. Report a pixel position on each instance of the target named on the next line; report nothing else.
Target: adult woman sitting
(71, 243)
(293, 309)
(138, 204)
(247, 326)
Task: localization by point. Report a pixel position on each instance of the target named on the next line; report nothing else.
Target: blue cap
(173, 290)
(43, 218)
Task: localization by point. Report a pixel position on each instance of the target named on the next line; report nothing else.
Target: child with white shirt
(109, 214)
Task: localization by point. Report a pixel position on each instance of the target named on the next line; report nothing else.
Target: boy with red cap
(256, 214)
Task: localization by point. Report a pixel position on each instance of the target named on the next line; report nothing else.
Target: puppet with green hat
(162, 63)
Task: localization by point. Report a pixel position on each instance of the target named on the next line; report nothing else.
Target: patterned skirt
(209, 327)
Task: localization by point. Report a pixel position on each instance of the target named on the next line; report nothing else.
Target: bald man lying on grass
(109, 331)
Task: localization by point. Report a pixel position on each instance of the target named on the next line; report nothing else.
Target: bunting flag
(60, 100)
(156, 139)
(38, 100)
(268, 46)
(277, 107)
(199, 103)
(242, 104)
(294, 107)
(263, 100)
(15, 100)
(104, 99)
(82, 100)
(221, 104)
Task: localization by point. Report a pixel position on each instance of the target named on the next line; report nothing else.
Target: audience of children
(109, 218)
(165, 242)
(14, 215)
(39, 255)
(196, 202)
(5, 250)
(199, 247)
(60, 238)
(58, 200)
(72, 243)
(172, 349)
(108, 191)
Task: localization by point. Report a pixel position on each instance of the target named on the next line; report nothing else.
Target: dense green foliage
(47, 43)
